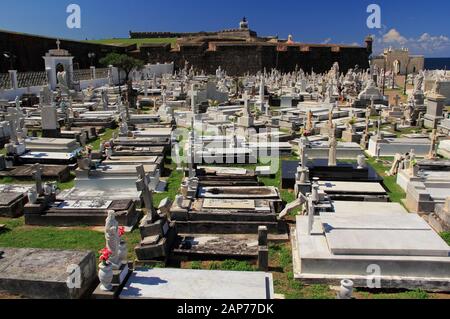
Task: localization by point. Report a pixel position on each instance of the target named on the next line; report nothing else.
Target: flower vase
(32, 197)
(105, 275)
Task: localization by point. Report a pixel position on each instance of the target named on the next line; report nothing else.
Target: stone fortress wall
(240, 58)
(237, 51)
(29, 50)
(405, 62)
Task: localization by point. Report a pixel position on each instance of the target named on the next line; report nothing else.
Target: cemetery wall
(238, 59)
(29, 50)
(235, 58)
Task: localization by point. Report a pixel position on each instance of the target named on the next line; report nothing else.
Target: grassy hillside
(139, 42)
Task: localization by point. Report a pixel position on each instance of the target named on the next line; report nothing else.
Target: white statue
(418, 82)
(112, 238)
(62, 80)
(332, 160)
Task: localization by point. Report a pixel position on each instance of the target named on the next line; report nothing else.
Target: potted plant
(105, 273)
(123, 249)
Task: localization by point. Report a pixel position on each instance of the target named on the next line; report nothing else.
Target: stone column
(51, 78)
(13, 79)
(263, 249)
(93, 73)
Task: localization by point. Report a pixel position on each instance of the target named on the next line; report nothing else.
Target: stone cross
(332, 151)
(37, 175)
(432, 153)
(309, 123)
(302, 149)
(311, 211)
(46, 96)
(397, 99)
(13, 118)
(379, 129)
(142, 186)
(192, 150)
(194, 95)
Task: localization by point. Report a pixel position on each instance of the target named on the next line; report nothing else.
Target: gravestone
(50, 126)
(435, 110)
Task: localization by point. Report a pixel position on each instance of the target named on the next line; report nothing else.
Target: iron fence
(28, 79)
(5, 81)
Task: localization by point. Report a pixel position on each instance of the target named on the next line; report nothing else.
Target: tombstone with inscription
(50, 125)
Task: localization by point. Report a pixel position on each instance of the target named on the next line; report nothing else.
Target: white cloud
(326, 41)
(425, 44)
(393, 36)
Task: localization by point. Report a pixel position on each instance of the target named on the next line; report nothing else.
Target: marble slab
(228, 204)
(189, 284)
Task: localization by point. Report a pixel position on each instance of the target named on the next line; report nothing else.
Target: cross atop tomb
(147, 194)
(37, 175)
(58, 44)
(397, 99)
(15, 119)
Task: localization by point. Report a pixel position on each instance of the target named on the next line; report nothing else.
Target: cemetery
(180, 181)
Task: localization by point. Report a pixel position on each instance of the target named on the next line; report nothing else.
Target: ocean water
(437, 63)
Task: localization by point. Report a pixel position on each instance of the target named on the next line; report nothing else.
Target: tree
(123, 62)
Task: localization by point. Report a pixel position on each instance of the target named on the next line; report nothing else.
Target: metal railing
(5, 81)
(28, 79)
(101, 73)
(82, 75)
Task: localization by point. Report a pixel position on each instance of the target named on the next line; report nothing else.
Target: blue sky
(423, 26)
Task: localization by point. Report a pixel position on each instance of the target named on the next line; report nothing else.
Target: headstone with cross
(397, 99)
(194, 96)
(37, 175)
(147, 194)
(191, 160)
(14, 117)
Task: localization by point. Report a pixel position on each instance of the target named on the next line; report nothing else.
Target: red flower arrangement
(121, 231)
(105, 253)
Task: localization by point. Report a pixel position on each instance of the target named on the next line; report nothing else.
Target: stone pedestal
(435, 111)
(350, 136)
(120, 278)
(157, 240)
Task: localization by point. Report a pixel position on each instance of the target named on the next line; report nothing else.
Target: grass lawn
(396, 193)
(103, 138)
(446, 237)
(139, 42)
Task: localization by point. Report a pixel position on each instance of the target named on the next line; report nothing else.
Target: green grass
(287, 196)
(446, 237)
(226, 265)
(280, 257)
(138, 42)
(103, 138)
(69, 184)
(61, 185)
(17, 235)
(395, 192)
(173, 185)
(417, 294)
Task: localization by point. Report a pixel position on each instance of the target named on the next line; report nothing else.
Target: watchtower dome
(243, 25)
